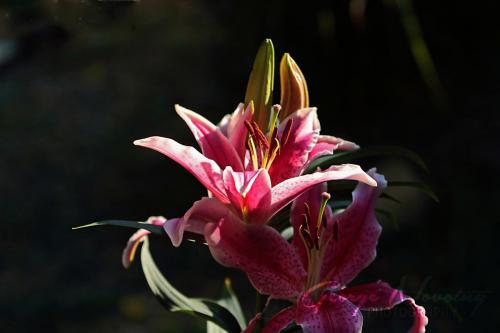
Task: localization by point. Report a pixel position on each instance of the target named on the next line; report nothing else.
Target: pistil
(311, 234)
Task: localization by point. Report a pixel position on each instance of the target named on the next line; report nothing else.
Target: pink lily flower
(256, 182)
(326, 253)
(285, 150)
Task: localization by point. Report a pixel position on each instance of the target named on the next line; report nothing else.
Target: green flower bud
(294, 93)
(261, 83)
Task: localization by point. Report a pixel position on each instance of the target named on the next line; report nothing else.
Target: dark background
(80, 80)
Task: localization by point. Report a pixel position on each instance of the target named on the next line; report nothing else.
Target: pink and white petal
(313, 199)
(280, 320)
(237, 131)
(234, 183)
(357, 234)
(130, 249)
(195, 219)
(203, 168)
(224, 123)
(330, 314)
(380, 296)
(286, 191)
(269, 261)
(293, 152)
(213, 143)
(250, 193)
(327, 144)
(257, 196)
(175, 230)
(206, 210)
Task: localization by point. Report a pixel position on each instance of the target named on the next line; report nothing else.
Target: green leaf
(348, 156)
(212, 328)
(229, 300)
(418, 185)
(174, 300)
(261, 83)
(155, 229)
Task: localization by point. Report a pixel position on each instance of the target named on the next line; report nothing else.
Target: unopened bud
(261, 83)
(294, 93)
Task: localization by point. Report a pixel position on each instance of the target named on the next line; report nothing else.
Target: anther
(324, 200)
(249, 128)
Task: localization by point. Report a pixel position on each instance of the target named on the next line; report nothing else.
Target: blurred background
(80, 80)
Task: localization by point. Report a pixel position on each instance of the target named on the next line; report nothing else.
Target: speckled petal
(236, 129)
(286, 191)
(270, 262)
(327, 144)
(380, 296)
(203, 168)
(293, 153)
(357, 235)
(250, 193)
(330, 314)
(213, 143)
(194, 220)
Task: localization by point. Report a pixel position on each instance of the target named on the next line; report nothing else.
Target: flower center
(264, 149)
(312, 234)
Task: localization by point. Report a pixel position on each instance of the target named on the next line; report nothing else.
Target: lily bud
(261, 83)
(294, 93)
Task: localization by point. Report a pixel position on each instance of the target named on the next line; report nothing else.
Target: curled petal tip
(142, 142)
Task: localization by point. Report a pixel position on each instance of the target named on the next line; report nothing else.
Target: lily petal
(213, 143)
(280, 320)
(250, 192)
(236, 129)
(330, 314)
(194, 220)
(289, 189)
(270, 262)
(203, 168)
(380, 296)
(251, 325)
(295, 149)
(357, 234)
(327, 144)
(128, 253)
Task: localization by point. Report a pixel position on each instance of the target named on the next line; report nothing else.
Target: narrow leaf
(418, 185)
(230, 301)
(349, 156)
(174, 300)
(155, 229)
